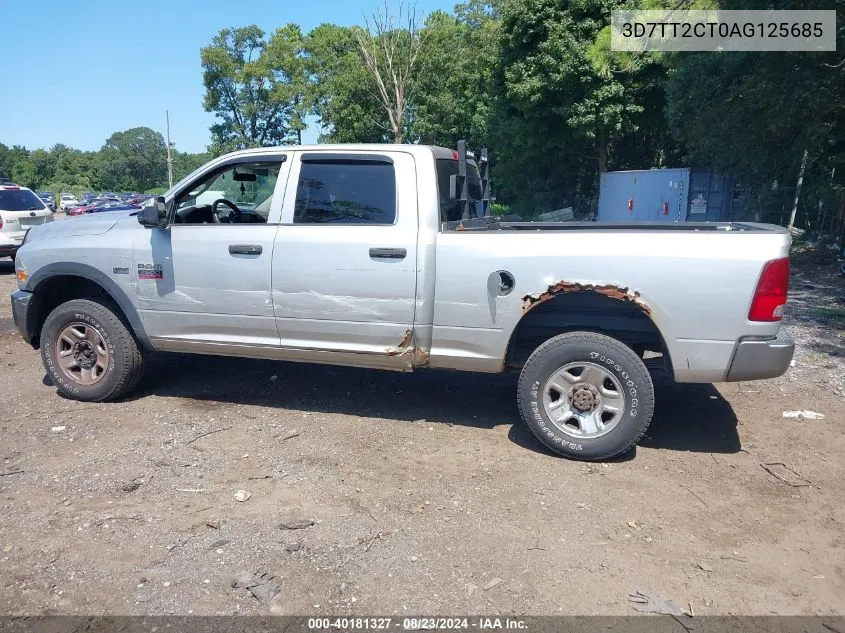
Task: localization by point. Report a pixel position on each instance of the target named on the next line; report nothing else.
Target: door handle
(388, 253)
(245, 249)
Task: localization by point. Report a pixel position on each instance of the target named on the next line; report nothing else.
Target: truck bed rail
(492, 223)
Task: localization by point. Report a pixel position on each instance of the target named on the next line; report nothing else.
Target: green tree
(342, 99)
(286, 57)
(454, 87)
(562, 116)
(130, 160)
(7, 163)
(247, 92)
(10, 157)
(753, 115)
(75, 170)
(24, 173)
(134, 160)
(184, 163)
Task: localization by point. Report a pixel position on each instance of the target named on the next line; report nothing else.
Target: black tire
(125, 364)
(614, 358)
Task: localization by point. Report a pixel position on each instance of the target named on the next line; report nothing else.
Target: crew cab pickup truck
(372, 256)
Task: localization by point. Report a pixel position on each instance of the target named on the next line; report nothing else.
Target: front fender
(85, 271)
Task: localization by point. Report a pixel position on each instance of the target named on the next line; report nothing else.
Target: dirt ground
(426, 494)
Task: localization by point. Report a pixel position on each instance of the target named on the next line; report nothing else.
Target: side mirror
(154, 213)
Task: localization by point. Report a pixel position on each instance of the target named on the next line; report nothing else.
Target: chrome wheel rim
(584, 400)
(82, 354)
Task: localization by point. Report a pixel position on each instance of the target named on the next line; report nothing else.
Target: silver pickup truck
(373, 256)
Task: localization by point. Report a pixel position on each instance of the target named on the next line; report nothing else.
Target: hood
(89, 224)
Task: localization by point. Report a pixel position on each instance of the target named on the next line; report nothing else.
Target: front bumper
(20, 313)
(755, 359)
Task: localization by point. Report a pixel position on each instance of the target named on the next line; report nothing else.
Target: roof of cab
(439, 152)
(419, 150)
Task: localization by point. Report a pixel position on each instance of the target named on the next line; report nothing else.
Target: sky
(76, 72)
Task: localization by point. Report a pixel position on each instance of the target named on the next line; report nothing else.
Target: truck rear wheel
(586, 396)
(89, 352)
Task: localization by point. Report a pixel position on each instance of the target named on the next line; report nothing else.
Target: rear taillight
(770, 295)
(1, 221)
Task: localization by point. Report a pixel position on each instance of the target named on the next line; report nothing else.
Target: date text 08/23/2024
(416, 623)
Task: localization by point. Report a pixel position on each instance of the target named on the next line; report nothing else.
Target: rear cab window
(450, 210)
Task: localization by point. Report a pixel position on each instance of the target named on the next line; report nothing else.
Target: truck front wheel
(88, 351)
(586, 396)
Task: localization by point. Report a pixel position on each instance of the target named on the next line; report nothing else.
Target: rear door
(344, 265)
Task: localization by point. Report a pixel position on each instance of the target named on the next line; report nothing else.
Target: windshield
(19, 200)
(450, 210)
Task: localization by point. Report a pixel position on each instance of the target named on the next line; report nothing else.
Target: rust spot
(419, 356)
(402, 348)
(620, 293)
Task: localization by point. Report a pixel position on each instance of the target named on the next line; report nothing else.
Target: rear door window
(336, 191)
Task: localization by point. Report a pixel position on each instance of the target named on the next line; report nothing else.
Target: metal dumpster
(665, 195)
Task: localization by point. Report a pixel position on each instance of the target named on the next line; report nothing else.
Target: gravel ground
(379, 493)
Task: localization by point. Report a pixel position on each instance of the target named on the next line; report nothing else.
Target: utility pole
(169, 156)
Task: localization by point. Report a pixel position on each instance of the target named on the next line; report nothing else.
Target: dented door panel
(194, 293)
(349, 288)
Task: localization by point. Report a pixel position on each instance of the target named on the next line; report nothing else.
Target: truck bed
(696, 290)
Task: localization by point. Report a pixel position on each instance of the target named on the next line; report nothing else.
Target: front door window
(239, 194)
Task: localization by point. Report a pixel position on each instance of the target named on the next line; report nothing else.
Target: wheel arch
(59, 282)
(612, 311)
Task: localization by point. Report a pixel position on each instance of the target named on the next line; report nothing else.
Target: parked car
(92, 204)
(114, 206)
(20, 209)
(48, 199)
(357, 261)
(67, 200)
(84, 200)
(109, 194)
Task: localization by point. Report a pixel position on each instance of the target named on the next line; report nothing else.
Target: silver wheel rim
(82, 354)
(584, 400)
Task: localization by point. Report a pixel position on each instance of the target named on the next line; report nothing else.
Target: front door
(344, 267)
(203, 283)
